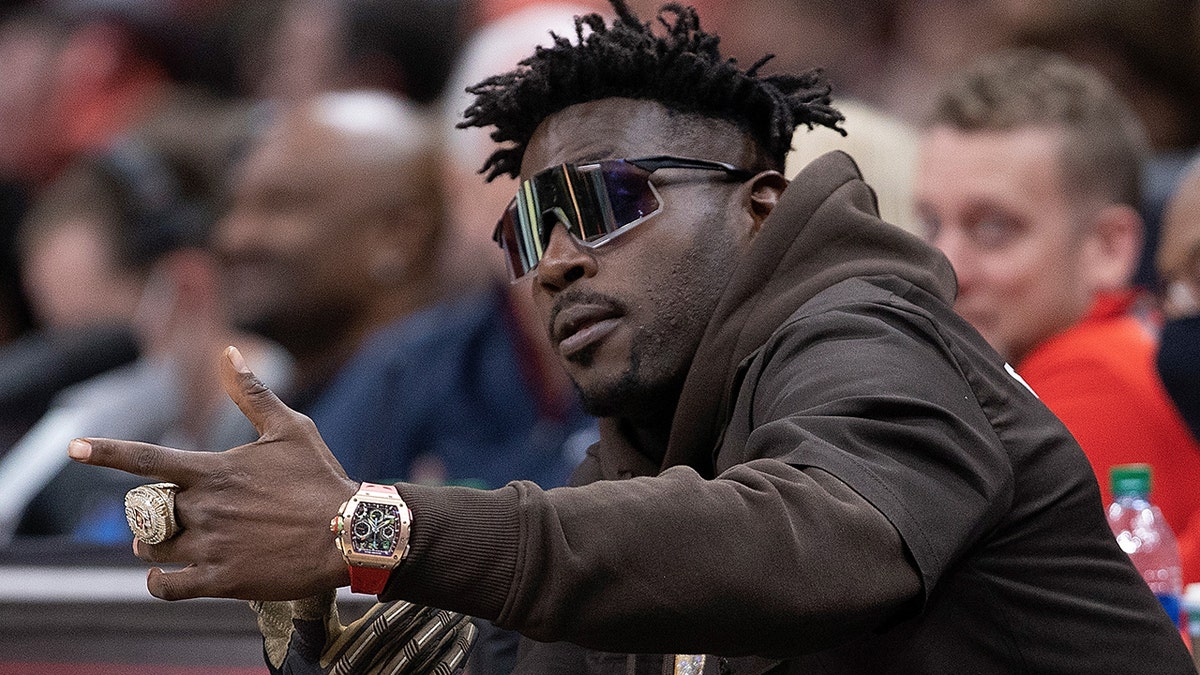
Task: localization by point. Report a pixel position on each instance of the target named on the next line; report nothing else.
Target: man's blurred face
(625, 318)
(73, 279)
(291, 245)
(995, 203)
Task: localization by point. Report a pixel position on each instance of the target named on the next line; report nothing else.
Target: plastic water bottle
(1143, 533)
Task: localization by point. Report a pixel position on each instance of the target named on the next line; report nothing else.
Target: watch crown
(335, 523)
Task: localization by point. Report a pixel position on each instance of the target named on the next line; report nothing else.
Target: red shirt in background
(1099, 378)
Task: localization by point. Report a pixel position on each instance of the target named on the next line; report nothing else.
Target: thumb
(258, 403)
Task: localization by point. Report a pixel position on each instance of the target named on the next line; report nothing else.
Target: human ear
(1112, 248)
(763, 194)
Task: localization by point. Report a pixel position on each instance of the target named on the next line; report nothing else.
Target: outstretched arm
(255, 518)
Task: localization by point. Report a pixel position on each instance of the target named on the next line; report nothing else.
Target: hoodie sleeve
(833, 514)
(739, 565)
(844, 492)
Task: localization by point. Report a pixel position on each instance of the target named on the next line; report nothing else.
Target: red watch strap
(371, 580)
(379, 487)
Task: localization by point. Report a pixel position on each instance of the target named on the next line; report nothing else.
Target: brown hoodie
(854, 483)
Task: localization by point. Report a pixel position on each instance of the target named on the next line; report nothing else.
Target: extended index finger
(144, 459)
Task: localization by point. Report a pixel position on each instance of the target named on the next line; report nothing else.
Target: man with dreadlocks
(808, 462)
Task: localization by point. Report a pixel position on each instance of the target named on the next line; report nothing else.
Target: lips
(579, 326)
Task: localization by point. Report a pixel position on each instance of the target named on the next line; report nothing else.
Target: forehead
(302, 154)
(622, 128)
(289, 152)
(1022, 164)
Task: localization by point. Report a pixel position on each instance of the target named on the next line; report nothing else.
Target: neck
(650, 440)
(651, 433)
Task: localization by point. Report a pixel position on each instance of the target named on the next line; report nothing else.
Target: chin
(597, 401)
(628, 397)
(602, 396)
(598, 407)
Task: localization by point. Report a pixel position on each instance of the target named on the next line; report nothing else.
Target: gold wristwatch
(371, 530)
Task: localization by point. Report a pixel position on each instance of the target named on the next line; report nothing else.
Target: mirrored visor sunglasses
(595, 202)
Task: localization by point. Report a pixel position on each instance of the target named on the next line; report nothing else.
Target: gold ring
(150, 510)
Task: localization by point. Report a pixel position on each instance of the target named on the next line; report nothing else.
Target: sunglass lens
(594, 202)
(517, 248)
(629, 193)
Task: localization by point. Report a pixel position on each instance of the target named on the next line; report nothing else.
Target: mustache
(580, 297)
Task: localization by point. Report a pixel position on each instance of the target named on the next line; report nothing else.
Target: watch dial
(373, 528)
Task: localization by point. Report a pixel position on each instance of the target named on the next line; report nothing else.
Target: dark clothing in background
(441, 396)
(1178, 364)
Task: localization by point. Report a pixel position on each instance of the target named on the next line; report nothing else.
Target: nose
(564, 261)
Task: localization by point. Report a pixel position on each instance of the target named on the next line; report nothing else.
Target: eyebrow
(598, 155)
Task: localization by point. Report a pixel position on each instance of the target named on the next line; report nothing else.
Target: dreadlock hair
(682, 70)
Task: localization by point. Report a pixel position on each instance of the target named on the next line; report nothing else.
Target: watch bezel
(344, 527)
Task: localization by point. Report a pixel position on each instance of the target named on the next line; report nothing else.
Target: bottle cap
(1130, 479)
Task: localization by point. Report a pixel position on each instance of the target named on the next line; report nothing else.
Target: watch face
(373, 528)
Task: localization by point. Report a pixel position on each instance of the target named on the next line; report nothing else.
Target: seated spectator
(1028, 180)
(82, 288)
(77, 76)
(330, 248)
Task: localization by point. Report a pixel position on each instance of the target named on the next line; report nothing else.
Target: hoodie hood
(824, 230)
